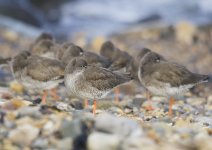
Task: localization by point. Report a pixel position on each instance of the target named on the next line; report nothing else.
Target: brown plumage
(71, 52)
(91, 58)
(44, 36)
(119, 59)
(165, 78)
(45, 48)
(4, 60)
(36, 72)
(61, 49)
(132, 68)
(107, 49)
(90, 82)
(41, 37)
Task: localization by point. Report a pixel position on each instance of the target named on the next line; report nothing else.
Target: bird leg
(85, 103)
(117, 92)
(149, 107)
(54, 94)
(171, 103)
(94, 107)
(45, 93)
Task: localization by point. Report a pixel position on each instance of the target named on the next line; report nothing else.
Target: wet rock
(120, 126)
(103, 141)
(23, 135)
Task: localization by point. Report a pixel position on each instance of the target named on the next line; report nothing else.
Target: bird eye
(157, 60)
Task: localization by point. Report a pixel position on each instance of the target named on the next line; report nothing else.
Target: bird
(165, 78)
(91, 82)
(73, 51)
(61, 49)
(42, 36)
(70, 52)
(107, 50)
(132, 68)
(38, 73)
(91, 58)
(119, 60)
(4, 60)
(45, 48)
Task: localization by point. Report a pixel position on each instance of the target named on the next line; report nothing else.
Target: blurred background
(103, 17)
(181, 30)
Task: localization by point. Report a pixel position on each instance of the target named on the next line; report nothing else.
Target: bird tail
(5, 60)
(204, 78)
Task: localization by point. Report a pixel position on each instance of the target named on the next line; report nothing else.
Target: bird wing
(103, 79)
(44, 69)
(175, 74)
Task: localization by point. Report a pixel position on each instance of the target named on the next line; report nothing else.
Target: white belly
(30, 83)
(77, 86)
(167, 90)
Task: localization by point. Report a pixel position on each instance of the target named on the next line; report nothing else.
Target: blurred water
(105, 16)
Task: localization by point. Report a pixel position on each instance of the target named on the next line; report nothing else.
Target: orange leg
(45, 93)
(54, 94)
(171, 103)
(85, 103)
(117, 92)
(149, 107)
(94, 107)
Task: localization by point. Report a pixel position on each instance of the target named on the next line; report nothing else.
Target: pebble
(64, 106)
(65, 144)
(103, 141)
(24, 134)
(40, 143)
(108, 123)
(33, 112)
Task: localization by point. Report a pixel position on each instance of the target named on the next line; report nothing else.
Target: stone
(17, 87)
(64, 106)
(65, 144)
(77, 104)
(204, 120)
(23, 135)
(115, 110)
(196, 101)
(108, 123)
(40, 143)
(78, 126)
(103, 141)
(185, 32)
(138, 144)
(33, 112)
(16, 103)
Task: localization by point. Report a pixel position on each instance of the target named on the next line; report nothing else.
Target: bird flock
(88, 75)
